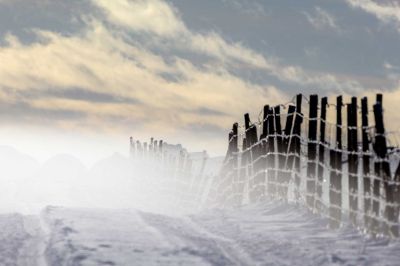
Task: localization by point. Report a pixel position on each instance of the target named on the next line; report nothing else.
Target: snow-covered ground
(121, 212)
(262, 234)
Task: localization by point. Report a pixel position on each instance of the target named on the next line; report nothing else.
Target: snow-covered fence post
(226, 186)
(297, 145)
(145, 151)
(234, 163)
(162, 154)
(155, 150)
(352, 149)
(263, 153)
(312, 151)
(139, 150)
(382, 170)
(151, 149)
(288, 149)
(280, 151)
(132, 148)
(366, 162)
(271, 153)
(252, 139)
(394, 228)
(335, 186)
(258, 189)
(380, 151)
(321, 153)
(243, 170)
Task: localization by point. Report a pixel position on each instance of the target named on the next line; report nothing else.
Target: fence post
(251, 136)
(366, 162)
(132, 148)
(139, 150)
(396, 203)
(321, 153)
(242, 171)
(335, 191)
(280, 150)
(271, 153)
(297, 145)
(352, 159)
(251, 131)
(263, 150)
(235, 156)
(265, 123)
(151, 148)
(145, 150)
(288, 148)
(312, 151)
(382, 170)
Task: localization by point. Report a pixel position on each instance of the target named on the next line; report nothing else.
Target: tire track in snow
(188, 237)
(34, 247)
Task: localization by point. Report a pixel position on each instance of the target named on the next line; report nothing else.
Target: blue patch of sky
(359, 48)
(20, 17)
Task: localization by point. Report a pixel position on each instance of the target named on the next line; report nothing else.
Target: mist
(117, 181)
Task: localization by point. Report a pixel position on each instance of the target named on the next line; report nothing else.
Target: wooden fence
(179, 177)
(344, 170)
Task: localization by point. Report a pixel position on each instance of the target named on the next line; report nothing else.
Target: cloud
(94, 61)
(124, 71)
(152, 16)
(230, 54)
(386, 11)
(321, 19)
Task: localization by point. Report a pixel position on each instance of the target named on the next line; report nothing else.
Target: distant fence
(181, 177)
(345, 169)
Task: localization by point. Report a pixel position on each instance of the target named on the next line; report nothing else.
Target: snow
(13, 239)
(264, 234)
(122, 212)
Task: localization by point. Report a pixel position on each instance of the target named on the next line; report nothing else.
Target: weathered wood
(280, 150)
(394, 229)
(151, 148)
(352, 159)
(366, 162)
(382, 170)
(251, 139)
(265, 122)
(254, 164)
(290, 143)
(145, 150)
(297, 145)
(271, 172)
(335, 191)
(234, 164)
(312, 151)
(228, 171)
(321, 153)
(139, 149)
(242, 172)
(131, 147)
(288, 149)
(160, 149)
(264, 148)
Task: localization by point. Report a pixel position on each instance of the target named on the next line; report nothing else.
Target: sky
(81, 76)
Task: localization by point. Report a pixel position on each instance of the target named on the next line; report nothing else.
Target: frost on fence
(336, 159)
(173, 178)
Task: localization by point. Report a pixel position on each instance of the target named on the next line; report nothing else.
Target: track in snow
(263, 234)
